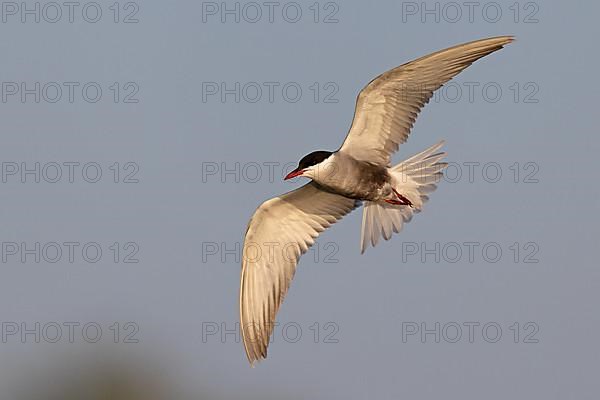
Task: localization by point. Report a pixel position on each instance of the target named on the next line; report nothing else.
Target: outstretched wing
(387, 107)
(280, 231)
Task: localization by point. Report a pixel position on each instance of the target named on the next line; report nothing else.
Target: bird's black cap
(313, 158)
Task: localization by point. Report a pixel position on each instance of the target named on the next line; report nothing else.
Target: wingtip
(253, 362)
(506, 39)
(510, 39)
(500, 41)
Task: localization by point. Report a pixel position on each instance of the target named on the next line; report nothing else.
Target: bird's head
(308, 164)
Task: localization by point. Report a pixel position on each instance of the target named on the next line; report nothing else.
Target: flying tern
(359, 172)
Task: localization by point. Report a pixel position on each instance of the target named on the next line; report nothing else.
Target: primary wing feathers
(280, 231)
(387, 107)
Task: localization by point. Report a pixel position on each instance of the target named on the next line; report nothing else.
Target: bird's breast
(352, 178)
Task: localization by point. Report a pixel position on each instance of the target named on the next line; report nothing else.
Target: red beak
(293, 174)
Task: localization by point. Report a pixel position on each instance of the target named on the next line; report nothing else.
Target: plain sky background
(174, 214)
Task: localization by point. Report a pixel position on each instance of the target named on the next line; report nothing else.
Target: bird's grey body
(360, 180)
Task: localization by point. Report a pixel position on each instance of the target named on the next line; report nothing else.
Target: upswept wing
(387, 107)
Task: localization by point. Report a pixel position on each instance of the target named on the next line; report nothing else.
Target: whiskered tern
(283, 228)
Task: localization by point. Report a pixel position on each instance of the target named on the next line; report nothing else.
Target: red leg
(403, 200)
(395, 202)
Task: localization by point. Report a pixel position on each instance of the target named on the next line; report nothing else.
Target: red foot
(403, 201)
(395, 202)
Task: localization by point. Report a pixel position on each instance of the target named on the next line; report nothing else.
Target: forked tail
(414, 179)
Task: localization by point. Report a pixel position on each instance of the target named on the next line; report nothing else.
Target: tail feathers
(381, 219)
(415, 178)
(422, 156)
